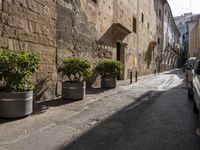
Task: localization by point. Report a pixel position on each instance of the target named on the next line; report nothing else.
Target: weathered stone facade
(31, 25)
(159, 8)
(171, 40)
(120, 29)
(194, 37)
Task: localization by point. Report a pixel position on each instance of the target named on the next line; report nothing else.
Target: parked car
(194, 87)
(189, 66)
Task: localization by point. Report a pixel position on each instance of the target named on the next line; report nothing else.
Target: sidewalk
(51, 118)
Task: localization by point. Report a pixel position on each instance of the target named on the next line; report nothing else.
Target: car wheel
(190, 94)
(195, 109)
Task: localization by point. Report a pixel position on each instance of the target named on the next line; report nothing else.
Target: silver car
(189, 75)
(195, 86)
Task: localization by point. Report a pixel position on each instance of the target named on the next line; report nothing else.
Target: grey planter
(73, 90)
(108, 82)
(16, 105)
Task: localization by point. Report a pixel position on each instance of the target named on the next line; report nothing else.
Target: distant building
(171, 40)
(193, 28)
(181, 22)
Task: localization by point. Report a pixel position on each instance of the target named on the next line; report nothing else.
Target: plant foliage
(110, 67)
(16, 69)
(76, 69)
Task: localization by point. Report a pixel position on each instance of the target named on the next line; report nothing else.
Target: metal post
(136, 76)
(131, 77)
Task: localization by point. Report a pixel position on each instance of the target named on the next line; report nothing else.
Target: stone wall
(80, 28)
(31, 25)
(194, 40)
(171, 35)
(159, 8)
(54, 29)
(147, 36)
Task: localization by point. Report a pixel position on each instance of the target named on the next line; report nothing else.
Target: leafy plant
(16, 69)
(75, 69)
(110, 67)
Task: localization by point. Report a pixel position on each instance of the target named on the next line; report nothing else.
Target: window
(95, 1)
(148, 25)
(142, 17)
(134, 25)
(158, 41)
(160, 13)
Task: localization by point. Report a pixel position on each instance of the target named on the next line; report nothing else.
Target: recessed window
(142, 18)
(134, 24)
(160, 13)
(158, 41)
(95, 1)
(148, 25)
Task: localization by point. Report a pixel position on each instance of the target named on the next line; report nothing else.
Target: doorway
(121, 57)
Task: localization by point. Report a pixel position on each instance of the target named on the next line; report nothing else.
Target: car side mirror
(197, 67)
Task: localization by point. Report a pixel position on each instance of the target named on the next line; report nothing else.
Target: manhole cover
(198, 131)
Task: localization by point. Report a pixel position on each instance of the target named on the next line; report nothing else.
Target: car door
(196, 83)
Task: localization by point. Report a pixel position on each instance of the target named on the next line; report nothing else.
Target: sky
(183, 6)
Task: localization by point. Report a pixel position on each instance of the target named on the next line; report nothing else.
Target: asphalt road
(162, 120)
(154, 114)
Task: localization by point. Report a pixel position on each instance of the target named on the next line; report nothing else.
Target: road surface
(154, 114)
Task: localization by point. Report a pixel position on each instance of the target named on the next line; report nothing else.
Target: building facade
(171, 40)
(159, 8)
(135, 32)
(184, 24)
(193, 27)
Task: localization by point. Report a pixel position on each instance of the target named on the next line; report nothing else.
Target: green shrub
(75, 69)
(110, 67)
(16, 69)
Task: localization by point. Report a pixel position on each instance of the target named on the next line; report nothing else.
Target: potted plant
(16, 95)
(75, 70)
(109, 69)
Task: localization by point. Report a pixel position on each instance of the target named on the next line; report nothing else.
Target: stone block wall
(56, 29)
(31, 25)
(147, 34)
(159, 8)
(194, 40)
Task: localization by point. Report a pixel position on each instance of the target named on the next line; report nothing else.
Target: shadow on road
(41, 107)
(157, 120)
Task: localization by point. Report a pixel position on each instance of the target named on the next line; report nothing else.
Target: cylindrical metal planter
(108, 82)
(73, 90)
(16, 105)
